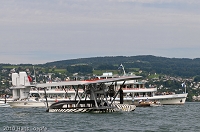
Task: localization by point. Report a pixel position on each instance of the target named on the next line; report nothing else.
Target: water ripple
(172, 118)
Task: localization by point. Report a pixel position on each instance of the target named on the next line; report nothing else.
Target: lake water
(169, 118)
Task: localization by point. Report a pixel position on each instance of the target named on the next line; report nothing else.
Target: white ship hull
(29, 104)
(26, 104)
(174, 99)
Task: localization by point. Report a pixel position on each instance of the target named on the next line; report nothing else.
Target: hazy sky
(40, 31)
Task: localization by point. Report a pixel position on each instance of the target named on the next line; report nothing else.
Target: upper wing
(123, 78)
(70, 83)
(66, 83)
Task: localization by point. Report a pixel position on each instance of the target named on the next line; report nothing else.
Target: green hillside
(183, 67)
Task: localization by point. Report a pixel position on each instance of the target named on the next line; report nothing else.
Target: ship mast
(123, 69)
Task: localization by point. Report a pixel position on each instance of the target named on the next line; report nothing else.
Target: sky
(41, 31)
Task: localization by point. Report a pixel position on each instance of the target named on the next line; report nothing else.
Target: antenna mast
(123, 69)
(34, 74)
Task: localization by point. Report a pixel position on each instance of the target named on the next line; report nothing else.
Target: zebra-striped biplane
(97, 96)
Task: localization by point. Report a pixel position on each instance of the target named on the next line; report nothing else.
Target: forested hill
(170, 66)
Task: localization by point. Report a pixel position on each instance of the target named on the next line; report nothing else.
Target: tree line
(182, 67)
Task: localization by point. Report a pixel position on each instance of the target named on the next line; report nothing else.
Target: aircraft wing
(66, 83)
(70, 83)
(123, 78)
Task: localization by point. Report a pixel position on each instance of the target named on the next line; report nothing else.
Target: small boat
(143, 104)
(147, 103)
(3, 104)
(4, 101)
(155, 104)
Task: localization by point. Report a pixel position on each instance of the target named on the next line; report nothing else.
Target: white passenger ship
(133, 90)
(27, 95)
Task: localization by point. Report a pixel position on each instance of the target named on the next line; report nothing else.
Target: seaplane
(97, 96)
